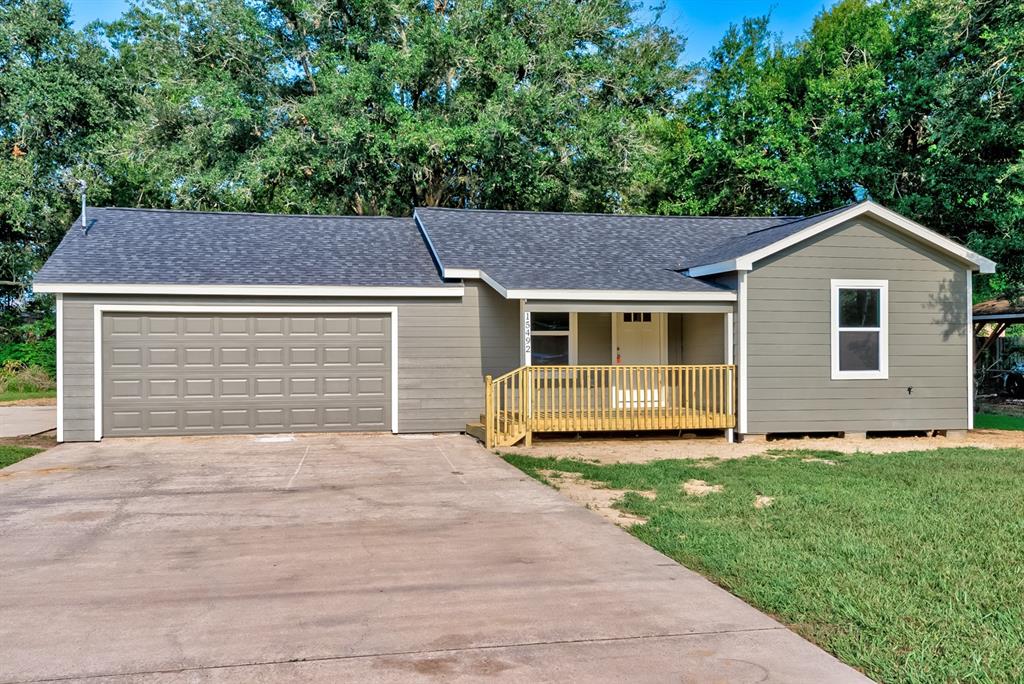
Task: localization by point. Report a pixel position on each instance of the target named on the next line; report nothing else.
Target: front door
(640, 338)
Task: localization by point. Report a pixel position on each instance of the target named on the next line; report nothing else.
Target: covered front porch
(611, 366)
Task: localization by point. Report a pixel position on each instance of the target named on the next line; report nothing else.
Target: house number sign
(526, 333)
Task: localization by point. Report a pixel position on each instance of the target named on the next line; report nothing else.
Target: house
(174, 322)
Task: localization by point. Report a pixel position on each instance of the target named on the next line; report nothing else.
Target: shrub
(16, 376)
(37, 354)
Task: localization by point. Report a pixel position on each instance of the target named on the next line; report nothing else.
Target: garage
(209, 372)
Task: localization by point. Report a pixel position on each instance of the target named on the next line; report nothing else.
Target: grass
(9, 455)
(906, 566)
(996, 421)
(19, 395)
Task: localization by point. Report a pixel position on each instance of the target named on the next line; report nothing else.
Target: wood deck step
(477, 430)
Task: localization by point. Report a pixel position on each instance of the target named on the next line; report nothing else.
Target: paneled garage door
(202, 374)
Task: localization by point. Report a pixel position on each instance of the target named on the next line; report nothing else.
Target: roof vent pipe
(85, 224)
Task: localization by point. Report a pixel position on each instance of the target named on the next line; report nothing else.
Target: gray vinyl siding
(593, 338)
(789, 342)
(445, 347)
(703, 338)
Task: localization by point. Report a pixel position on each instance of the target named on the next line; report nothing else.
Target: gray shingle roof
(143, 246)
(737, 247)
(537, 250)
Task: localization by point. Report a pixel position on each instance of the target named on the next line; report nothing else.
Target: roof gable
(741, 254)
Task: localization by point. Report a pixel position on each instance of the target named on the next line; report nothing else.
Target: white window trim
(883, 329)
(100, 309)
(571, 333)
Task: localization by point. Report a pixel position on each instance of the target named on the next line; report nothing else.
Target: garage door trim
(100, 309)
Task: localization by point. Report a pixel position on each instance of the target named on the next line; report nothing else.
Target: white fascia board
(457, 273)
(620, 295)
(746, 262)
(249, 290)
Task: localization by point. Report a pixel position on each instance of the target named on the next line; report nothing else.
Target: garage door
(202, 374)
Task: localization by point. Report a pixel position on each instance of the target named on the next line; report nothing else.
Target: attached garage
(204, 372)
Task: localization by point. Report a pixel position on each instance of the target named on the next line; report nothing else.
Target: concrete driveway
(348, 558)
(16, 421)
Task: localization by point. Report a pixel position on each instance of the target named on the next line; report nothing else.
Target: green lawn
(996, 421)
(17, 396)
(9, 455)
(907, 566)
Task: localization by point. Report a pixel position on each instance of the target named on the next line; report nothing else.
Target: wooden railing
(607, 398)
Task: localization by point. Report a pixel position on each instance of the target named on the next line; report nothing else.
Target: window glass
(859, 308)
(541, 321)
(637, 317)
(858, 350)
(550, 350)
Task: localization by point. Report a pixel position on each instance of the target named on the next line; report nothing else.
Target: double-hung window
(860, 329)
(551, 339)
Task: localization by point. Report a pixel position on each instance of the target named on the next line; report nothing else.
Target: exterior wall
(789, 342)
(593, 338)
(445, 347)
(703, 338)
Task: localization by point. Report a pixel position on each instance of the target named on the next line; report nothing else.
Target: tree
(57, 100)
(374, 107)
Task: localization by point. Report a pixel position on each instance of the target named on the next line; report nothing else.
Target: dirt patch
(44, 440)
(39, 401)
(700, 488)
(815, 459)
(594, 496)
(763, 501)
(640, 450)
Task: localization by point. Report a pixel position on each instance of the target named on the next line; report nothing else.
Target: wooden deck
(607, 398)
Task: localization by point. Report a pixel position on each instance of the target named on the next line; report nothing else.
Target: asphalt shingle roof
(739, 246)
(536, 250)
(143, 246)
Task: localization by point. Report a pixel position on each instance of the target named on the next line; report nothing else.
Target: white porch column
(525, 342)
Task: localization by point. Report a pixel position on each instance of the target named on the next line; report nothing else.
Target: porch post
(730, 434)
(525, 344)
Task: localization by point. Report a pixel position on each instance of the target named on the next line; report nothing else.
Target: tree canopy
(375, 106)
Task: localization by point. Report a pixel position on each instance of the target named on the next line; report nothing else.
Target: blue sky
(701, 22)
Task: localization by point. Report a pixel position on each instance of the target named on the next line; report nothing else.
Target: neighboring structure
(177, 322)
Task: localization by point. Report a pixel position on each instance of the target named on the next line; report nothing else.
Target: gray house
(509, 323)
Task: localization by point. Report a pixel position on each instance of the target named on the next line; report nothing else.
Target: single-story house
(177, 322)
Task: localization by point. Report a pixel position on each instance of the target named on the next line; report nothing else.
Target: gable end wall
(789, 344)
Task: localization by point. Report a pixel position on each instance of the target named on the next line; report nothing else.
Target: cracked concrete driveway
(335, 558)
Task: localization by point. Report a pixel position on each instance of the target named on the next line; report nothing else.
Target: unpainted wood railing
(608, 398)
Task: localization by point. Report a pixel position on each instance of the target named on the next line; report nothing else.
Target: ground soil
(40, 401)
(44, 440)
(641, 450)
(594, 495)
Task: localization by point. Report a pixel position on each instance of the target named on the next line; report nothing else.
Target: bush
(16, 376)
(38, 354)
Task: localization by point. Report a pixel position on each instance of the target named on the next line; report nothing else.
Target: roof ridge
(597, 213)
(802, 218)
(247, 213)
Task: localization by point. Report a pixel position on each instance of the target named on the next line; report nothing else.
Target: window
(860, 321)
(550, 339)
(637, 317)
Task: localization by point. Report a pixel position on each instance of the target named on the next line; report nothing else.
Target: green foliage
(372, 107)
(904, 565)
(41, 354)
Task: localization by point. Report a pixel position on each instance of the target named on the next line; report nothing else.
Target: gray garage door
(202, 374)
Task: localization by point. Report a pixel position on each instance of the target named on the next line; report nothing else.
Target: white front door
(640, 338)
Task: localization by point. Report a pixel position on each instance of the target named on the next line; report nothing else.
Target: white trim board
(741, 350)
(969, 334)
(877, 211)
(60, 367)
(249, 290)
(883, 328)
(100, 309)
